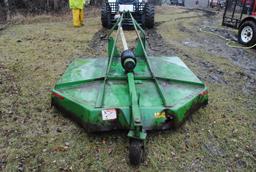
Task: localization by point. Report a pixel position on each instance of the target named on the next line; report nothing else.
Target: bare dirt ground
(35, 137)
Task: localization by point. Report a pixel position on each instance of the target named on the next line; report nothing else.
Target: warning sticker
(108, 114)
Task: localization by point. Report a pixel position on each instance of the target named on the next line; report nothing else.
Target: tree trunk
(3, 15)
(6, 3)
(47, 6)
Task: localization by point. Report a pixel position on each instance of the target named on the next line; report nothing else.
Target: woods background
(8, 8)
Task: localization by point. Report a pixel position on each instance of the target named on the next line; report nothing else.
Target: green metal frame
(131, 116)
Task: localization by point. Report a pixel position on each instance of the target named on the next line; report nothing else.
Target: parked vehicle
(241, 14)
(142, 11)
(177, 2)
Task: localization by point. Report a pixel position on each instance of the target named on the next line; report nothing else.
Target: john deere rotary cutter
(129, 90)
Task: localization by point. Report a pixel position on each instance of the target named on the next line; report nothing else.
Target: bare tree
(6, 3)
(56, 4)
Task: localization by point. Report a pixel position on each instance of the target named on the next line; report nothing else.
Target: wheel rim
(247, 34)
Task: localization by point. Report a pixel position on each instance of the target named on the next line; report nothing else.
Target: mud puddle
(215, 42)
(98, 43)
(157, 46)
(201, 13)
(245, 59)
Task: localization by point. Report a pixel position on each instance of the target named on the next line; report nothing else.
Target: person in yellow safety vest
(77, 7)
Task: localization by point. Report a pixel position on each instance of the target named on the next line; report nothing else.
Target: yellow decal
(160, 114)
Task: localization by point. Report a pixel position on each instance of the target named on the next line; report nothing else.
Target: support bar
(159, 88)
(100, 97)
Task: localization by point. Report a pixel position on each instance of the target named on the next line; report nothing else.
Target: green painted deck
(81, 83)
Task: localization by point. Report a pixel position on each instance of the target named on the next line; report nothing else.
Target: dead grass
(35, 137)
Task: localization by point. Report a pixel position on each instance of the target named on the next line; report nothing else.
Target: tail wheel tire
(136, 152)
(149, 16)
(247, 33)
(106, 16)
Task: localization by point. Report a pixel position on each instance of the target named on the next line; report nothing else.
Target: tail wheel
(247, 33)
(106, 16)
(149, 12)
(136, 152)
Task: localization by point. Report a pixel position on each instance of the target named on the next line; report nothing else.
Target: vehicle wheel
(149, 12)
(136, 152)
(247, 33)
(106, 16)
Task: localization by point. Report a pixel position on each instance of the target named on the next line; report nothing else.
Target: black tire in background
(245, 31)
(149, 16)
(106, 16)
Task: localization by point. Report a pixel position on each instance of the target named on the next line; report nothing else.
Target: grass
(35, 137)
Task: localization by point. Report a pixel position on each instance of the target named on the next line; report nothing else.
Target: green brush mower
(129, 91)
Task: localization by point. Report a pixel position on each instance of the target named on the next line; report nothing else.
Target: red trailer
(241, 14)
